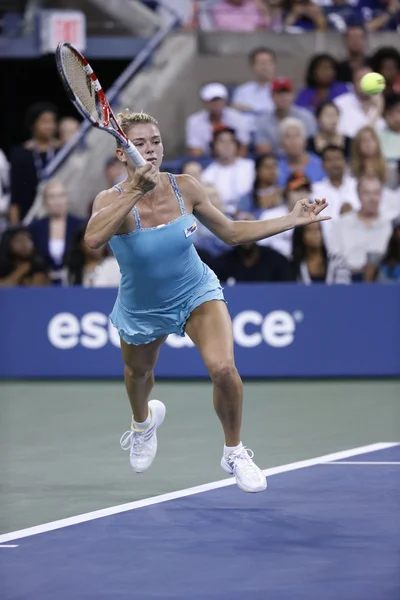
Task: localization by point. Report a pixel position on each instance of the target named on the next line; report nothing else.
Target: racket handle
(135, 155)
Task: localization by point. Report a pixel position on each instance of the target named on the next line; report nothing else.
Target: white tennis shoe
(142, 443)
(240, 464)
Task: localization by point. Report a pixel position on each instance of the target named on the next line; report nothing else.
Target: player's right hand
(145, 179)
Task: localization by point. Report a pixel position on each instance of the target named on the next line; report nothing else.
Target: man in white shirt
(354, 235)
(339, 188)
(256, 95)
(231, 175)
(358, 109)
(201, 126)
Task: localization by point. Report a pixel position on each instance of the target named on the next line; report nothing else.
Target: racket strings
(81, 83)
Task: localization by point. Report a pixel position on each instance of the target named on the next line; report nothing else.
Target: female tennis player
(165, 288)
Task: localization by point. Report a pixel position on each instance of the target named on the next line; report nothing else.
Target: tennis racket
(85, 92)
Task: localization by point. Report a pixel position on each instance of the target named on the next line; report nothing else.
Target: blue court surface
(327, 528)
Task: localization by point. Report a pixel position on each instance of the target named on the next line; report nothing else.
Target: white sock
(143, 425)
(229, 449)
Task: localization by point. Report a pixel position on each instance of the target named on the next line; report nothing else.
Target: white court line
(114, 510)
(8, 545)
(363, 462)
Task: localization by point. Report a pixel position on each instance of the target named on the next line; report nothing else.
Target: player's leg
(139, 374)
(141, 439)
(210, 328)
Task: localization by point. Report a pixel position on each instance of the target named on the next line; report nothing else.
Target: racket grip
(135, 155)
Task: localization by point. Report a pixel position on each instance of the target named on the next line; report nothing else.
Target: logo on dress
(190, 230)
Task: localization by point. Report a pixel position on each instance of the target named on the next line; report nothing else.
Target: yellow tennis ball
(373, 83)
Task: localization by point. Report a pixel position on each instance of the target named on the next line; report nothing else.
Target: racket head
(85, 92)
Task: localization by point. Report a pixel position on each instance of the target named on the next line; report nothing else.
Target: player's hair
(128, 119)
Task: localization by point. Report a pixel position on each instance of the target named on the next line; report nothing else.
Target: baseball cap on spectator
(211, 91)
(282, 84)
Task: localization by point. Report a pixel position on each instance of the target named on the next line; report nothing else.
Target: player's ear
(121, 155)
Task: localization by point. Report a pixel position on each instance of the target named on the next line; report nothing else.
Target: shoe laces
(132, 440)
(242, 459)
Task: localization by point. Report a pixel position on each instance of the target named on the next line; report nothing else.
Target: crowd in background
(257, 148)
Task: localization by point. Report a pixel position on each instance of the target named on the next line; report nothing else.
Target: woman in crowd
(29, 160)
(20, 263)
(265, 193)
(386, 269)
(296, 158)
(386, 60)
(53, 234)
(90, 267)
(311, 262)
(327, 115)
(366, 155)
(232, 175)
(321, 83)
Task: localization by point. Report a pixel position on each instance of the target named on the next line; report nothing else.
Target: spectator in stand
(267, 136)
(380, 15)
(358, 109)
(232, 175)
(296, 158)
(356, 234)
(339, 188)
(90, 267)
(355, 41)
(340, 14)
(256, 95)
(303, 15)
(54, 233)
(201, 126)
(389, 268)
(366, 155)
(265, 193)
(386, 61)
(327, 115)
(114, 171)
(311, 261)
(297, 187)
(390, 136)
(68, 127)
(239, 15)
(29, 161)
(20, 263)
(321, 83)
(4, 191)
(252, 263)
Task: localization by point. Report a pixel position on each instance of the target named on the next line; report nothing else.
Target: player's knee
(222, 372)
(138, 371)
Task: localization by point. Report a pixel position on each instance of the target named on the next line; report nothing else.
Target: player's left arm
(242, 232)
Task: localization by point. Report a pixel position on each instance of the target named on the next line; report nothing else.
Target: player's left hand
(306, 212)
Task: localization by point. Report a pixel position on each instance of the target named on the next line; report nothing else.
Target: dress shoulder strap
(177, 192)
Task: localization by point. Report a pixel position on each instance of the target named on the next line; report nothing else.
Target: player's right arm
(111, 208)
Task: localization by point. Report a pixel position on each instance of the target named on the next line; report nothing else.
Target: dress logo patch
(190, 230)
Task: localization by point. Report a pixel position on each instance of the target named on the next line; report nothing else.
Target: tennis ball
(373, 83)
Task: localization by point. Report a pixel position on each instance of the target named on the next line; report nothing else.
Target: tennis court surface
(328, 527)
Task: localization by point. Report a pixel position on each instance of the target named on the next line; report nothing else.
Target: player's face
(264, 67)
(147, 139)
(56, 199)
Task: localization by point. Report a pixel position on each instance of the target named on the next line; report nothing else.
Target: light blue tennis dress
(163, 278)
